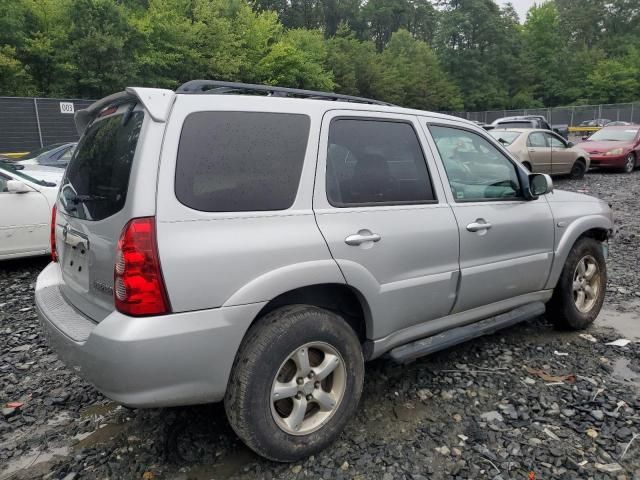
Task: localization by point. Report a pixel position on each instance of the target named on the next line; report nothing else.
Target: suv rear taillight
(52, 234)
(139, 289)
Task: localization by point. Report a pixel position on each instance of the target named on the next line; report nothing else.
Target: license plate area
(76, 258)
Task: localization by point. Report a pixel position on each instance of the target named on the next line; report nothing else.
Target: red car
(617, 147)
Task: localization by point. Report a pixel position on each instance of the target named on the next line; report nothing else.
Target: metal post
(35, 106)
(631, 119)
(573, 111)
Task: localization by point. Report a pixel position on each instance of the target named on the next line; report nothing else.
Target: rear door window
(97, 178)
(537, 140)
(240, 161)
(376, 162)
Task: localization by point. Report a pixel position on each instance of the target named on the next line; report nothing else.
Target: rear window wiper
(76, 199)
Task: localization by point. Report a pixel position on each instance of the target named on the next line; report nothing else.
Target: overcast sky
(521, 7)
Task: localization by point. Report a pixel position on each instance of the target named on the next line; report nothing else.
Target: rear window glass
(522, 124)
(240, 161)
(505, 138)
(97, 178)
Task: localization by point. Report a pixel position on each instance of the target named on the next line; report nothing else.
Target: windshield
(97, 177)
(615, 134)
(24, 176)
(40, 151)
(505, 138)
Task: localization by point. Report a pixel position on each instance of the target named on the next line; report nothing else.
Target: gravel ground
(527, 399)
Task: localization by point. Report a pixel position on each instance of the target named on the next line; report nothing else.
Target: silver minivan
(257, 244)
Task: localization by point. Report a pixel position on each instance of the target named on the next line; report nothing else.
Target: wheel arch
(597, 227)
(340, 298)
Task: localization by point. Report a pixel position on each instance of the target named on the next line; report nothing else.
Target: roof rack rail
(218, 87)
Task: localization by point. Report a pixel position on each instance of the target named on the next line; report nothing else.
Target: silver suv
(257, 244)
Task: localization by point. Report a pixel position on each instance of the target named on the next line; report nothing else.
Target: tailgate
(91, 210)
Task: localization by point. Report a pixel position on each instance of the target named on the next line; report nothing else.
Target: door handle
(478, 226)
(361, 237)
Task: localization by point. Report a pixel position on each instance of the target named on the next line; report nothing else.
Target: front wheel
(629, 163)
(296, 382)
(579, 294)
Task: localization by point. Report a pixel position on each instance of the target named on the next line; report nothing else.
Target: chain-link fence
(572, 116)
(30, 123)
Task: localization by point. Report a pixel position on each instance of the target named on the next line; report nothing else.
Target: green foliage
(427, 54)
(412, 76)
(14, 79)
(612, 81)
(296, 61)
(99, 46)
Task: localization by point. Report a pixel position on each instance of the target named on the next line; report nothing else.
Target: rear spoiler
(156, 101)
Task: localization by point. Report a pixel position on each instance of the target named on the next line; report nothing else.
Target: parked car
(56, 155)
(618, 124)
(596, 122)
(614, 147)
(542, 151)
(215, 244)
(484, 125)
(531, 121)
(51, 175)
(26, 200)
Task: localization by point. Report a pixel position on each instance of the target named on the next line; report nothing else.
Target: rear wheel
(296, 382)
(578, 169)
(579, 294)
(629, 163)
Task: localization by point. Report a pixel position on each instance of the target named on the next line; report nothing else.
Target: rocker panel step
(425, 346)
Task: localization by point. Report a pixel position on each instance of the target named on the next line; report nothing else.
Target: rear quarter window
(240, 161)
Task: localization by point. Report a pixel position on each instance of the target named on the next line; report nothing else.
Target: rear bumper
(608, 161)
(168, 360)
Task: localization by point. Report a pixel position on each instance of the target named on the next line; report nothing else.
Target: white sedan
(26, 199)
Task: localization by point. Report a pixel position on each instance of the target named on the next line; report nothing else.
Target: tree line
(436, 55)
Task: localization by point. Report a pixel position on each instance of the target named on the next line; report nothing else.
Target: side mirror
(540, 184)
(570, 144)
(16, 186)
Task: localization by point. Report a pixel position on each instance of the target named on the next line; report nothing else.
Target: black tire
(629, 163)
(266, 346)
(578, 169)
(527, 165)
(562, 309)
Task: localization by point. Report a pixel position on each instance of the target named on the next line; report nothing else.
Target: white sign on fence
(66, 107)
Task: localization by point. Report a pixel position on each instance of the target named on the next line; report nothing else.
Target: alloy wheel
(630, 163)
(586, 284)
(308, 388)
